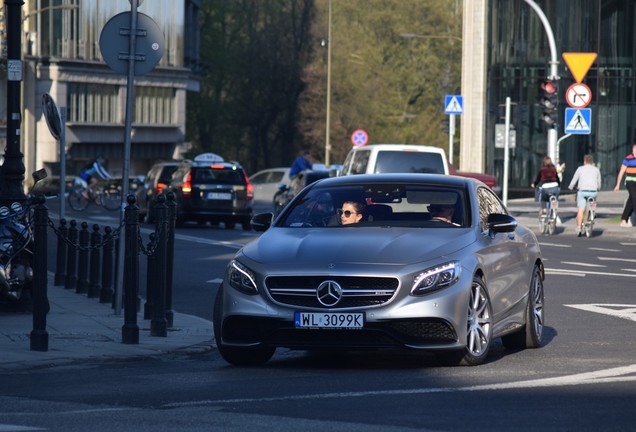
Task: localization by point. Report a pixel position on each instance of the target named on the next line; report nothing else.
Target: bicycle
(587, 225)
(108, 197)
(548, 220)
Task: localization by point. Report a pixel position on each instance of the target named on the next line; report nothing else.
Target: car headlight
(241, 278)
(436, 278)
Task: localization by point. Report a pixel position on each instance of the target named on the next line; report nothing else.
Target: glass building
(516, 61)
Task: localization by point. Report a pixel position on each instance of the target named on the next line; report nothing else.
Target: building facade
(507, 55)
(62, 57)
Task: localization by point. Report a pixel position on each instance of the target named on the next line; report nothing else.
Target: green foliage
(265, 85)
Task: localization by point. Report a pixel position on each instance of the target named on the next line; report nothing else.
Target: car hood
(382, 246)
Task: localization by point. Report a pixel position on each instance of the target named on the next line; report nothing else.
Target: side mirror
(262, 221)
(39, 175)
(501, 223)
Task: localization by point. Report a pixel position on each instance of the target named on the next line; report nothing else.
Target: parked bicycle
(548, 219)
(587, 226)
(80, 196)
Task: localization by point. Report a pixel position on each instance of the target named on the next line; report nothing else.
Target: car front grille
(301, 291)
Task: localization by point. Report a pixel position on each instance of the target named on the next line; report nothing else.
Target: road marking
(564, 273)
(16, 428)
(206, 241)
(617, 259)
(627, 312)
(582, 264)
(217, 280)
(629, 270)
(627, 244)
(555, 245)
(605, 250)
(619, 374)
(586, 272)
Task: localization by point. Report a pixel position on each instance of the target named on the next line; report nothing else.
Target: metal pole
(63, 163)
(128, 127)
(327, 127)
(451, 137)
(506, 151)
(554, 69)
(12, 169)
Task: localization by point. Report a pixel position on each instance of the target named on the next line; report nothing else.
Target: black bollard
(94, 279)
(39, 335)
(151, 278)
(172, 223)
(106, 292)
(71, 257)
(130, 330)
(158, 324)
(60, 267)
(82, 260)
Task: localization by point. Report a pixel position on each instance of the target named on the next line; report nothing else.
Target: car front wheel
(479, 327)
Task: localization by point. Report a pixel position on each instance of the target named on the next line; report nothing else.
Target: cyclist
(588, 178)
(95, 167)
(547, 183)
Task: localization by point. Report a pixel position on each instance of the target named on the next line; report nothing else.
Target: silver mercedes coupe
(384, 261)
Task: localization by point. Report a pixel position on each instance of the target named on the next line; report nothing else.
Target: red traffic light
(548, 87)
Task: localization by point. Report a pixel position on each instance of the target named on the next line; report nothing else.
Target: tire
(589, 224)
(531, 334)
(76, 200)
(551, 227)
(542, 224)
(479, 327)
(111, 199)
(237, 356)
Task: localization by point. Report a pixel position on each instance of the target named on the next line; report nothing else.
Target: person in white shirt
(588, 178)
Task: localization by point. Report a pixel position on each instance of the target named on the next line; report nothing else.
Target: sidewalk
(80, 328)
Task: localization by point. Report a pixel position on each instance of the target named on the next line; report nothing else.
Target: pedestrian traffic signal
(549, 102)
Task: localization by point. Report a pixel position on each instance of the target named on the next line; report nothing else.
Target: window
(92, 103)
(154, 105)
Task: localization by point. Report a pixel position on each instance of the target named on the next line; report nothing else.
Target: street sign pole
(451, 136)
(506, 151)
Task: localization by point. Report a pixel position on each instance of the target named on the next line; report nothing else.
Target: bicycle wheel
(76, 200)
(542, 224)
(588, 224)
(111, 199)
(552, 222)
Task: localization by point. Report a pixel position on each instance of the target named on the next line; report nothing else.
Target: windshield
(409, 162)
(378, 205)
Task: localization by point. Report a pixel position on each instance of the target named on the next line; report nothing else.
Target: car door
(503, 257)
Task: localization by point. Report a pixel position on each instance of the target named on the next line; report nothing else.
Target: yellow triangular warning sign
(579, 64)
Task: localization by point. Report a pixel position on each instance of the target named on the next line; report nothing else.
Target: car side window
(488, 204)
(360, 162)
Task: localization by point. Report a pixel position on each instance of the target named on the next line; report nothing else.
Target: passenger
(442, 212)
(351, 212)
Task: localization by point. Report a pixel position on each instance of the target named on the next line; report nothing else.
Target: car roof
(438, 179)
(400, 147)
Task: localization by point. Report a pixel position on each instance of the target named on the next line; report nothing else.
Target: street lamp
(327, 125)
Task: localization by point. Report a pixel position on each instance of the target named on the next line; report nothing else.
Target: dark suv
(209, 189)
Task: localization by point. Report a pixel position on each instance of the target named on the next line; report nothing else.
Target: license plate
(219, 196)
(328, 320)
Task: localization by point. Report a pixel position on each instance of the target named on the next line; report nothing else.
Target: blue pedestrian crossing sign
(578, 121)
(454, 104)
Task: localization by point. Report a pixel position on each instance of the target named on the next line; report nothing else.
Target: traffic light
(549, 102)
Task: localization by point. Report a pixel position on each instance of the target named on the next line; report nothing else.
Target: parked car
(154, 183)
(399, 279)
(208, 189)
(489, 180)
(266, 184)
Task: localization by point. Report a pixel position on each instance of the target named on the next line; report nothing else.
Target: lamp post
(327, 122)
(12, 173)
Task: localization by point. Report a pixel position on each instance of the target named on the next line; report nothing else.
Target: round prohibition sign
(359, 138)
(578, 95)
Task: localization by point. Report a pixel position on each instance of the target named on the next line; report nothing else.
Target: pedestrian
(547, 183)
(588, 178)
(628, 168)
(301, 163)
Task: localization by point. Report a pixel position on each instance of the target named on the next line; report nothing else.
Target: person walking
(628, 168)
(588, 178)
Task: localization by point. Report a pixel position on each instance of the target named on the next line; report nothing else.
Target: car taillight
(249, 189)
(160, 187)
(186, 189)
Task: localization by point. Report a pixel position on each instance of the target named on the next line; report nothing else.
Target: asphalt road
(582, 379)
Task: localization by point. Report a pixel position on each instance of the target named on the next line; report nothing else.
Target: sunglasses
(346, 213)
